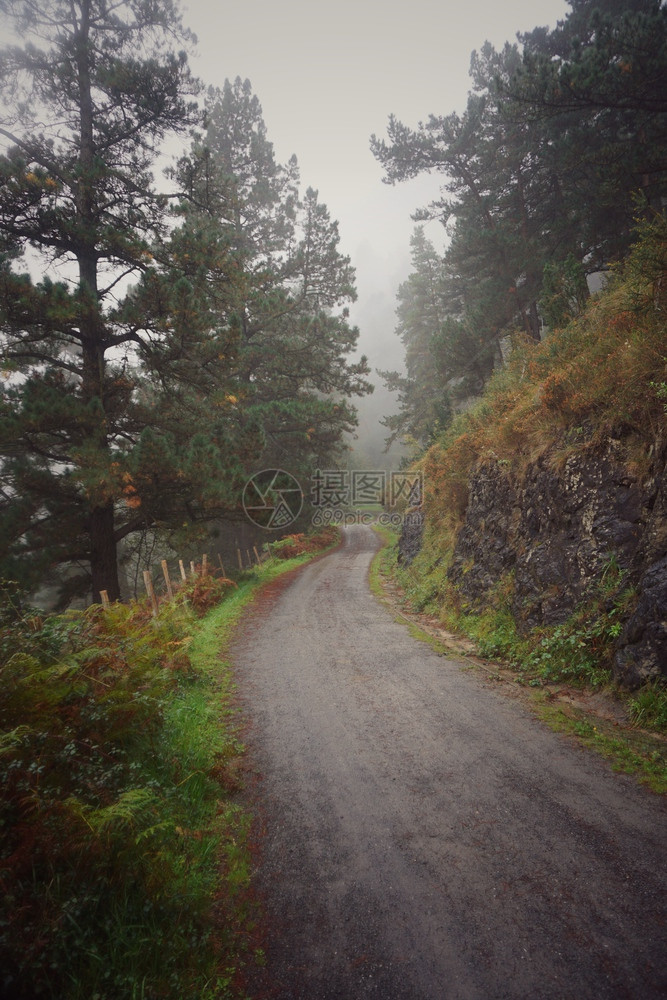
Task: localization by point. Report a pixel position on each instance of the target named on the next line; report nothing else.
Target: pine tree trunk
(103, 558)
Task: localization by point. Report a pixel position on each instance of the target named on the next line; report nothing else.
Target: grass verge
(380, 567)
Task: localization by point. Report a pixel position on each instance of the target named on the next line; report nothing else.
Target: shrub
(204, 591)
(292, 546)
(95, 871)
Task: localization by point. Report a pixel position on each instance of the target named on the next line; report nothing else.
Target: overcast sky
(328, 74)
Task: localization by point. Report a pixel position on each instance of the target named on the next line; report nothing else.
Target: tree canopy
(421, 315)
(157, 343)
(563, 136)
(295, 338)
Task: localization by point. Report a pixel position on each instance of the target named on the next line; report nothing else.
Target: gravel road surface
(426, 838)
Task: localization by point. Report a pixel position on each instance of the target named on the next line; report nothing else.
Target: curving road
(425, 837)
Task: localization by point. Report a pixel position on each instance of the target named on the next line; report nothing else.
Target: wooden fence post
(238, 553)
(165, 570)
(182, 569)
(259, 561)
(193, 569)
(105, 598)
(204, 564)
(148, 583)
(222, 568)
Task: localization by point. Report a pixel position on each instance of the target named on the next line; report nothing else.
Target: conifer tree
(542, 171)
(295, 340)
(110, 352)
(595, 86)
(422, 315)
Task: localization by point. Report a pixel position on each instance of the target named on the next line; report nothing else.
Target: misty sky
(328, 73)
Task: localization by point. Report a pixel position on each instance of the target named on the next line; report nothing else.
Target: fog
(328, 74)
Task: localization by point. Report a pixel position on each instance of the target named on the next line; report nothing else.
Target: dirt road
(426, 838)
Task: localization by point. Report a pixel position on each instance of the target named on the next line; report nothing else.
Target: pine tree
(111, 352)
(501, 209)
(596, 86)
(423, 395)
(541, 172)
(295, 339)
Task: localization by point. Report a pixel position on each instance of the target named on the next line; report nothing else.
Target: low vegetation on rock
(543, 519)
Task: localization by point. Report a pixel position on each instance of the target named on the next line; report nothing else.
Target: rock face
(642, 652)
(559, 529)
(410, 539)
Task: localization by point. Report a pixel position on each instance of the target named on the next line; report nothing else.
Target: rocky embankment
(559, 526)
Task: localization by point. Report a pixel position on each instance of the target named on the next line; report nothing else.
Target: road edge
(591, 723)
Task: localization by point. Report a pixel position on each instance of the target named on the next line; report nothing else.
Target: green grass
(628, 751)
(648, 707)
(383, 559)
(205, 730)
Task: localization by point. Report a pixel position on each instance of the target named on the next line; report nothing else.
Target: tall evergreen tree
(110, 354)
(422, 392)
(503, 210)
(596, 85)
(294, 335)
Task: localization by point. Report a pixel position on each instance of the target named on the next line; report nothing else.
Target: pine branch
(37, 154)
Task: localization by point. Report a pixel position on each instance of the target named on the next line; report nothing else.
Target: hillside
(543, 531)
